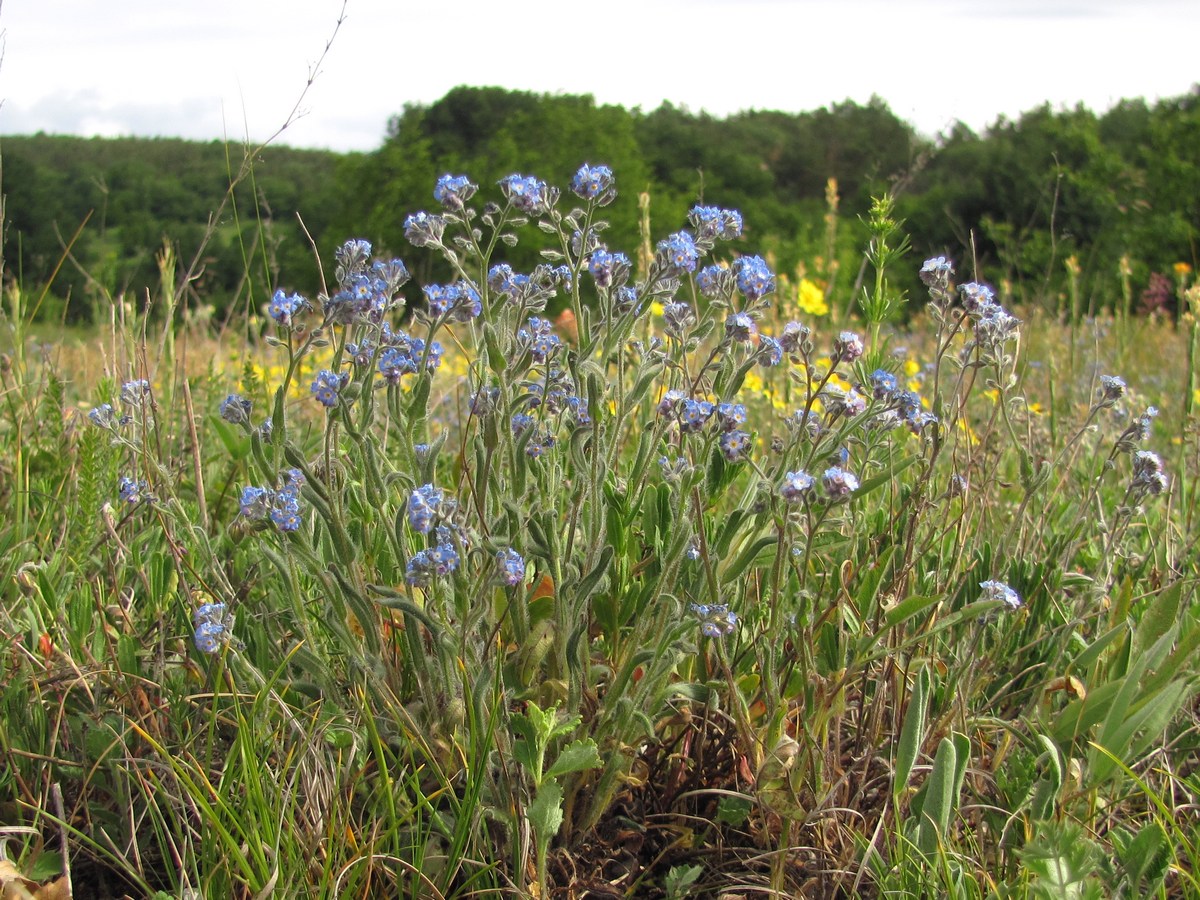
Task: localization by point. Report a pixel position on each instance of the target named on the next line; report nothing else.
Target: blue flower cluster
(213, 626)
(423, 507)
(992, 325)
(937, 272)
(132, 491)
(281, 506)
(512, 567)
(595, 183)
(715, 282)
(453, 191)
(403, 354)
(531, 291)
(796, 486)
(839, 483)
(366, 290)
(692, 415)
(848, 347)
(235, 409)
(526, 193)
(677, 254)
(284, 308)
(458, 302)
(609, 269)
(104, 416)
(713, 223)
(541, 437)
(436, 562)
(754, 279)
(539, 339)
(327, 385)
(424, 230)
(717, 620)
(1148, 475)
(135, 393)
(998, 590)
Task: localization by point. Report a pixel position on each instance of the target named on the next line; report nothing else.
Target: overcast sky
(235, 68)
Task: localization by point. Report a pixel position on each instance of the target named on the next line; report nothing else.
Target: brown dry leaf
(544, 588)
(1068, 683)
(58, 889)
(15, 886)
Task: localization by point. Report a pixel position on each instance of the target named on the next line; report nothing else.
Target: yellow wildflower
(811, 299)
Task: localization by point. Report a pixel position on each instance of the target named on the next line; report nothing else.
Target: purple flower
(848, 346)
(739, 327)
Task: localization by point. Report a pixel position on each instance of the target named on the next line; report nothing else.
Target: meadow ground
(678, 591)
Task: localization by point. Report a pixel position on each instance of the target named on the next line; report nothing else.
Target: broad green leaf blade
(578, 756)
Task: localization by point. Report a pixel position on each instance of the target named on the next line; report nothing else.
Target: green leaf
(912, 732)
(906, 609)
(1158, 617)
(578, 756)
(746, 557)
(939, 798)
(545, 813)
(734, 810)
(588, 585)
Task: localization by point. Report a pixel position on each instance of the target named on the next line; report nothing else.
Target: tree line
(1051, 196)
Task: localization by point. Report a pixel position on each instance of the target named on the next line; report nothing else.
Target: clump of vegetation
(672, 592)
